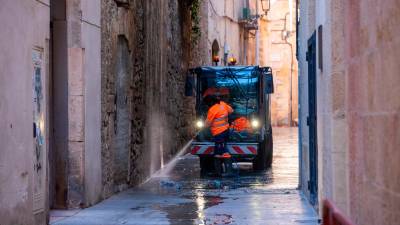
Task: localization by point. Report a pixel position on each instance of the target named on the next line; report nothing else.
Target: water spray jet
(165, 170)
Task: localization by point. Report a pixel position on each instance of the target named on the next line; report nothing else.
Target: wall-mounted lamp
(215, 60)
(232, 61)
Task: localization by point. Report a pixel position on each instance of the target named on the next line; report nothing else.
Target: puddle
(191, 212)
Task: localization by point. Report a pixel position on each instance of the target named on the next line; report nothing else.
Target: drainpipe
(300, 144)
(291, 70)
(244, 47)
(257, 61)
(291, 85)
(245, 62)
(225, 41)
(291, 63)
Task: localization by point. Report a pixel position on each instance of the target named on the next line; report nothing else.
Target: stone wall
(332, 133)
(358, 107)
(200, 53)
(334, 119)
(112, 32)
(157, 34)
(372, 50)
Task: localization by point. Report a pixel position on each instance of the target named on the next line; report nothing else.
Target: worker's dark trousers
(220, 148)
(220, 142)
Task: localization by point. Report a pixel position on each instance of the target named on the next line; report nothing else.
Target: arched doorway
(122, 137)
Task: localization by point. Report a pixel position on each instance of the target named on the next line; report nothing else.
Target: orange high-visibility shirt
(217, 118)
(241, 124)
(228, 107)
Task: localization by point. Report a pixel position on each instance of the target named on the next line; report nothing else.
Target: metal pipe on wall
(257, 60)
(245, 37)
(285, 36)
(300, 144)
(291, 70)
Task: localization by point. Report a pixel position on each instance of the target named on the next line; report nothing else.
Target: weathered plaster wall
(23, 169)
(159, 53)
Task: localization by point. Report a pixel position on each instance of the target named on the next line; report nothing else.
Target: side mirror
(269, 80)
(189, 84)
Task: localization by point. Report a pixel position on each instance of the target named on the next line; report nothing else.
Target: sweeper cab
(247, 90)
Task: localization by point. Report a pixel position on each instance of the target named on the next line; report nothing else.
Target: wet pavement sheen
(183, 197)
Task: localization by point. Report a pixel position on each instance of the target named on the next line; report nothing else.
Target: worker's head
(211, 100)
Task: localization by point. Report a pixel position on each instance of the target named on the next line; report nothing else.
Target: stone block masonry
(373, 107)
(153, 64)
(358, 106)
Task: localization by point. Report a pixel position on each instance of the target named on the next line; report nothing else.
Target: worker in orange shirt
(217, 120)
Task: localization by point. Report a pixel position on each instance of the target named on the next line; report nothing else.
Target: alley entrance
(183, 197)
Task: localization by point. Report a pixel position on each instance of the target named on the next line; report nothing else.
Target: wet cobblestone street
(183, 197)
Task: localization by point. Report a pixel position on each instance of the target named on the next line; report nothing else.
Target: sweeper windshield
(237, 86)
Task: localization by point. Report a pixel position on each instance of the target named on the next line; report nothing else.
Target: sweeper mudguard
(235, 149)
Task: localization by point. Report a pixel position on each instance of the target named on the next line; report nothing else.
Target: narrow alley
(181, 196)
(202, 112)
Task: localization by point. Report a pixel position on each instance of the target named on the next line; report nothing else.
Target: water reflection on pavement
(183, 197)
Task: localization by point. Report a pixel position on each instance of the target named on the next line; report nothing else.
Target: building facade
(277, 49)
(223, 31)
(349, 109)
(261, 33)
(92, 99)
